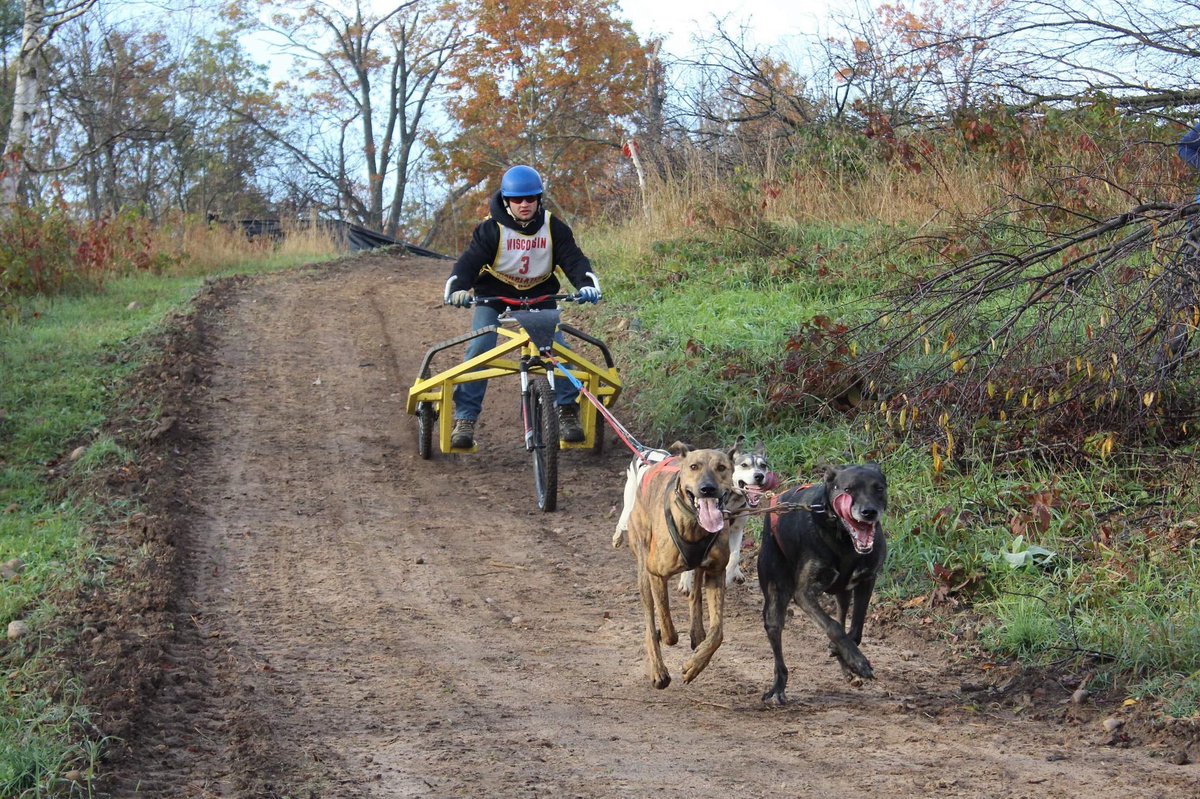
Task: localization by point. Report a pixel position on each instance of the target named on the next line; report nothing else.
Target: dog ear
(737, 448)
(760, 449)
(831, 473)
(679, 448)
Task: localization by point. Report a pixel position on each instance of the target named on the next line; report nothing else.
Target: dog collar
(815, 508)
(693, 552)
(820, 510)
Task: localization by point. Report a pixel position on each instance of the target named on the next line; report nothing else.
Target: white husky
(751, 477)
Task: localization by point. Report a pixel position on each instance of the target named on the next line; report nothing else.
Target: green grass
(753, 321)
(1117, 594)
(61, 376)
(64, 368)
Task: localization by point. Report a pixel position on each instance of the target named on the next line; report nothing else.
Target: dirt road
(353, 621)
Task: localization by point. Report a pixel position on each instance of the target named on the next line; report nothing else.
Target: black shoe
(569, 429)
(463, 434)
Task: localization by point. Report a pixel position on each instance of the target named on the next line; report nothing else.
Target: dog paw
(856, 669)
(738, 577)
(774, 698)
(618, 539)
(661, 681)
(685, 583)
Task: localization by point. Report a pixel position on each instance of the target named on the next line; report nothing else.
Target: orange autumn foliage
(551, 84)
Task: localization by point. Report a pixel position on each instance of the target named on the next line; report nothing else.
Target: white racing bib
(523, 261)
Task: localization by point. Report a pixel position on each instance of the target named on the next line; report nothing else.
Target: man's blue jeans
(468, 397)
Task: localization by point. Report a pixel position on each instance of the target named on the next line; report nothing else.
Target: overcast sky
(771, 22)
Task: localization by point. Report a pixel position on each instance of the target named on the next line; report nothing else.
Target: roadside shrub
(37, 255)
(120, 245)
(46, 252)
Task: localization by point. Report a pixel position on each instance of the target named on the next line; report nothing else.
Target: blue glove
(589, 294)
(460, 298)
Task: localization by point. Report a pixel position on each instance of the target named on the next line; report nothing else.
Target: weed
(1023, 626)
(1178, 693)
(104, 450)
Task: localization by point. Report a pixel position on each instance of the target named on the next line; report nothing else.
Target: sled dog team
(685, 512)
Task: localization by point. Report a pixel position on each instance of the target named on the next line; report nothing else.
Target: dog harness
(817, 510)
(668, 465)
(692, 552)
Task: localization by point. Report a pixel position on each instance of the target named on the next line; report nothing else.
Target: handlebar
(526, 302)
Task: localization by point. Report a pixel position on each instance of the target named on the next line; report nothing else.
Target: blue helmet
(520, 181)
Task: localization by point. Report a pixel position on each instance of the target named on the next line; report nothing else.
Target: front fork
(527, 398)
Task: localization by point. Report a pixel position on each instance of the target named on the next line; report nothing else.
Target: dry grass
(199, 249)
(703, 201)
(845, 188)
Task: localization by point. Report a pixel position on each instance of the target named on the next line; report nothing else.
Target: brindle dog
(831, 543)
(678, 524)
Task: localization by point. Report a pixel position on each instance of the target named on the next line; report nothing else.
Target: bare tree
(879, 72)
(1141, 55)
(133, 115)
(1144, 55)
(365, 82)
(746, 92)
(41, 21)
(1086, 332)
(1055, 337)
(109, 114)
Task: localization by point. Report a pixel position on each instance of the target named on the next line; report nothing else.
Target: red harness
(668, 466)
(773, 515)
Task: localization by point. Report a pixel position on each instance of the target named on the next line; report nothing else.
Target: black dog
(832, 543)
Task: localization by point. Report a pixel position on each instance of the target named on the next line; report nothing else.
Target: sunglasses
(531, 198)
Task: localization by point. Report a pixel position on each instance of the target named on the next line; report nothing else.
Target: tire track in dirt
(366, 623)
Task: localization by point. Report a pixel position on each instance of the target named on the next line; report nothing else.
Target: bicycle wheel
(598, 440)
(426, 424)
(543, 422)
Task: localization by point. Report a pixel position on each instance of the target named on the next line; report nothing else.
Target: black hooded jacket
(485, 241)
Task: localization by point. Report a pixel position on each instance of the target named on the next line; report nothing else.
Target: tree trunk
(25, 93)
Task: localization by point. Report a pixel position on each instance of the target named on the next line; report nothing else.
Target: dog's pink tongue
(709, 513)
(863, 533)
